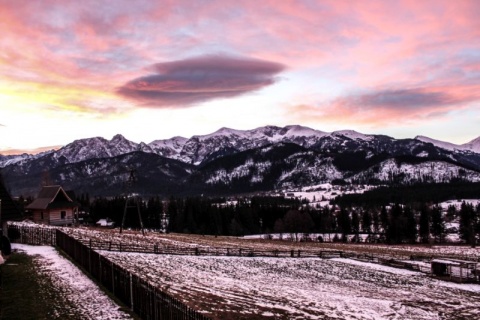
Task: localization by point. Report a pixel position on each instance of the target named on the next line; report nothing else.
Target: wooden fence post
(90, 257)
(131, 291)
(113, 280)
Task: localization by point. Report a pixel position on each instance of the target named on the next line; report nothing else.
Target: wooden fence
(146, 300)
(208, 251)
(46, 236)
(37, 236)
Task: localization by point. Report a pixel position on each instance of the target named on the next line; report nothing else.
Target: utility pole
(136, 204)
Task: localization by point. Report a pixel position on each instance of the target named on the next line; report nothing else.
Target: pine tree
(375, 221)
(467, 223)
(356, 225)
(410, 234)
(394, 231)
(384, 221)
(424, 224)
(175, 216)
(366, 221)
(296, 221)
(344, 223)
(438, 224)
(451, 213)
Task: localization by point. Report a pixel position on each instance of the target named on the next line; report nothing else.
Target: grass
(26, 294)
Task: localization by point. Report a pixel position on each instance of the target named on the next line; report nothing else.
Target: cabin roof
(51, 197)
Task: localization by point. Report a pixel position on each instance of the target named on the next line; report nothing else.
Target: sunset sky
(157, 69)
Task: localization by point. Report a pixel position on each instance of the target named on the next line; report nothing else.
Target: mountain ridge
(228, 161)
(189, 150)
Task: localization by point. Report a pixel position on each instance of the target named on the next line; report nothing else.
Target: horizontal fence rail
(209, 251)
(46, 236)
(146, 300)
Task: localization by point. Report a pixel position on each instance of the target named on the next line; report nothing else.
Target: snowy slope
(8, 160)
(473, 146)
(429, 171)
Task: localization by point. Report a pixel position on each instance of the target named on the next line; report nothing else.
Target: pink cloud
(182, 83)
(383, 107)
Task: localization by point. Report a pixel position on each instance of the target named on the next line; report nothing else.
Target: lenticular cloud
(186, 82)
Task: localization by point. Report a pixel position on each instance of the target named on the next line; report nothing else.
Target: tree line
(394, 223)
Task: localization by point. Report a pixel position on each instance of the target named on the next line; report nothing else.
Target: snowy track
(73, 286)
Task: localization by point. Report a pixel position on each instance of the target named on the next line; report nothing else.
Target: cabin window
(41, 215)
(63, 214)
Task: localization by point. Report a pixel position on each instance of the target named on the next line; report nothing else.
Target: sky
(153, 70)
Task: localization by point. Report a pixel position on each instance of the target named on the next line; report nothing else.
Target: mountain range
(232, 161)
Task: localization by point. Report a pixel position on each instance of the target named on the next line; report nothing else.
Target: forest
(394, 223)
(399, 214)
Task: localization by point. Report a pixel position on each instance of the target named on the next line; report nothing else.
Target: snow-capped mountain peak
(222, 132)
(297, 131)
(352, 134)
(168, 147)
(97, 147)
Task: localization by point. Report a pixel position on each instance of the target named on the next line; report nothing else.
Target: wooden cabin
(455, 270)
(8, 209)
(53, 206)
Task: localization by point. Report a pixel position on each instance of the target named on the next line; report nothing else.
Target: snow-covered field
(278, 288)
(282, 288)
(85, 297)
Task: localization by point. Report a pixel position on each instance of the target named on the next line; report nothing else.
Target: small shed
(53, 206)
(455, 270)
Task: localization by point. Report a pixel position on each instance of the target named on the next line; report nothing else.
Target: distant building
(108, 223)
(53, 206)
